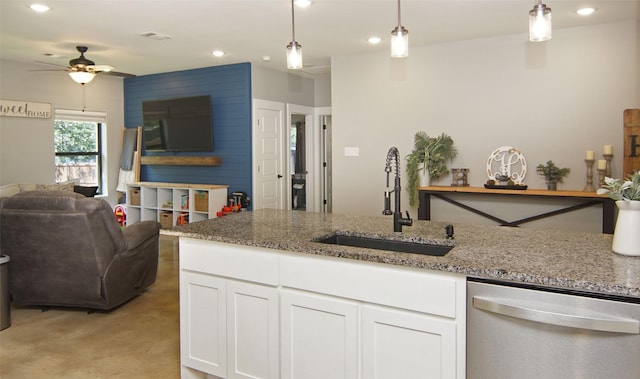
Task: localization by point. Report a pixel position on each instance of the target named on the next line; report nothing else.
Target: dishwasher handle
(615, 325)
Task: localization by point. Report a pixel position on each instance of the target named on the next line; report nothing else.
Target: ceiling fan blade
(51, 64)
(101, 67)
(116, 73)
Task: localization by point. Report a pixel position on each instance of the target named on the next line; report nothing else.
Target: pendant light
(399, 39)
(540, 23)
(294, 49)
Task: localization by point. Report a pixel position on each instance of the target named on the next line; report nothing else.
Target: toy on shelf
(237, 201)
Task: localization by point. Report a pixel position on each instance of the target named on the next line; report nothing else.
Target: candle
(608, 149)
(589, 155)
(602, 164)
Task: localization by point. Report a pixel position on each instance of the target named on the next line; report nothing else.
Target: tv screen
(182, 124)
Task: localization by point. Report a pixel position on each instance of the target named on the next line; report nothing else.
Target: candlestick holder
(589, 187)
(608, 157)
(601, 175)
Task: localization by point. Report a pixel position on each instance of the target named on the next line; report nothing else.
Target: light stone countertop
(552, 258)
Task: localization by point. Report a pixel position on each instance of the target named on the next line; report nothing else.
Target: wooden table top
(530, 192)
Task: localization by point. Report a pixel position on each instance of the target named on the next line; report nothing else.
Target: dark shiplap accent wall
(230, 90)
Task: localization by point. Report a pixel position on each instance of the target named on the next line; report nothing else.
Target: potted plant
(429, 157)
(626, 193)
(552, 174)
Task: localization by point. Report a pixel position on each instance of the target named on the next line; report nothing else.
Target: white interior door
(268, 155)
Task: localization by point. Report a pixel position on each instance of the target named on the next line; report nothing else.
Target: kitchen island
(568, 260)
(260, 298)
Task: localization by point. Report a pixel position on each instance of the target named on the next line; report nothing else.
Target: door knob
(279, 176)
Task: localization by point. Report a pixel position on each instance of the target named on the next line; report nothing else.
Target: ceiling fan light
(82, 77)
(294, 55)
(540, 23)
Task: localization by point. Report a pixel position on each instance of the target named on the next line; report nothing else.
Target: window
(78, 142)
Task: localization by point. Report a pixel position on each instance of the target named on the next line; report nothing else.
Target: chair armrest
(138, 233)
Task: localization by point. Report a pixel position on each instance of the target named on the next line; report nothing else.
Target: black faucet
(398, 220)
(449, 230)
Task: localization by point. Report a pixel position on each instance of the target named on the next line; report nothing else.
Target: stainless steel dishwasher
(516, 331)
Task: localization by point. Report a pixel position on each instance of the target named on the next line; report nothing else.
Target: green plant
(430, 154)
(619, 189)
(552, 173)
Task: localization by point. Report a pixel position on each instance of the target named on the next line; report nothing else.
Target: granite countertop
(553, 258)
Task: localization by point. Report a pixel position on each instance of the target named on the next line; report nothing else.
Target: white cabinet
(408, 323)
(252, 331)
(319, 336)
(173, 203)
(400, 344)
(282, 315)
(228, 327)
(203, 343)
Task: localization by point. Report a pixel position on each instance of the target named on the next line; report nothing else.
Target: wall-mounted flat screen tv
(182, 124)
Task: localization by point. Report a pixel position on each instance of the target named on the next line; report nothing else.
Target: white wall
(280, 86)
(26, 144)
(551, 100)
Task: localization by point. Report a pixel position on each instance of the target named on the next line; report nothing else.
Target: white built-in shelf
(174, 203)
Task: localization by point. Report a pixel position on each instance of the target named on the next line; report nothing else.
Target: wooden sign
(28, 109)
(631, 141)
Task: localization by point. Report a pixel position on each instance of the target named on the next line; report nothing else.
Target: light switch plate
(351, 151)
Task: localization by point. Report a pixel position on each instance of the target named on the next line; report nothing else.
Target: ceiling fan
(83, 70)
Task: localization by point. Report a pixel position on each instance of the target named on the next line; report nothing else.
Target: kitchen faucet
(398, 221)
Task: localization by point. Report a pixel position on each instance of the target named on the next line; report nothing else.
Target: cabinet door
(319, 336)
(399, 344)
(252, 330)
(203, 342)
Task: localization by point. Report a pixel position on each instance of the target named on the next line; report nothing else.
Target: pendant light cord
(399, 21)
(293, 22)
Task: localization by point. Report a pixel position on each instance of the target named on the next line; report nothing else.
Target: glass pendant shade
(540, 23)
(399, 42)
(294, 55)
(82, 77)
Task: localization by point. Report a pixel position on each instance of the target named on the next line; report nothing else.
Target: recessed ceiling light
(374, 40)
(39, 7)
(218, 53)
(303, 3)
(266, 58)
(585, 11)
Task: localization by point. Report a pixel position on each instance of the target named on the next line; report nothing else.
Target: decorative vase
(424, 178)
(626, 237)
(552, 185)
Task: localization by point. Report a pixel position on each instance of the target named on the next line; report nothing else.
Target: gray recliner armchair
(69, 250)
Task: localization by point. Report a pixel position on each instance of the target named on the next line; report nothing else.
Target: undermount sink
(414, 247)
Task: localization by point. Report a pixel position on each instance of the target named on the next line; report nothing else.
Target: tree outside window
(78, 152)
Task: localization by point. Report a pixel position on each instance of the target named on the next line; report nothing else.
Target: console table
(585, 199)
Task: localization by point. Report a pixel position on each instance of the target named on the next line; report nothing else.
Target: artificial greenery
(618, 189)
(431, 154)
(552, 173)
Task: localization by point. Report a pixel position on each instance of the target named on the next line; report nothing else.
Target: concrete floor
(140, 339)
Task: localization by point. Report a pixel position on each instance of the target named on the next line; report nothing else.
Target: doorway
(297, 162)
(268, 155)
(291, 157)
(325, 158)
